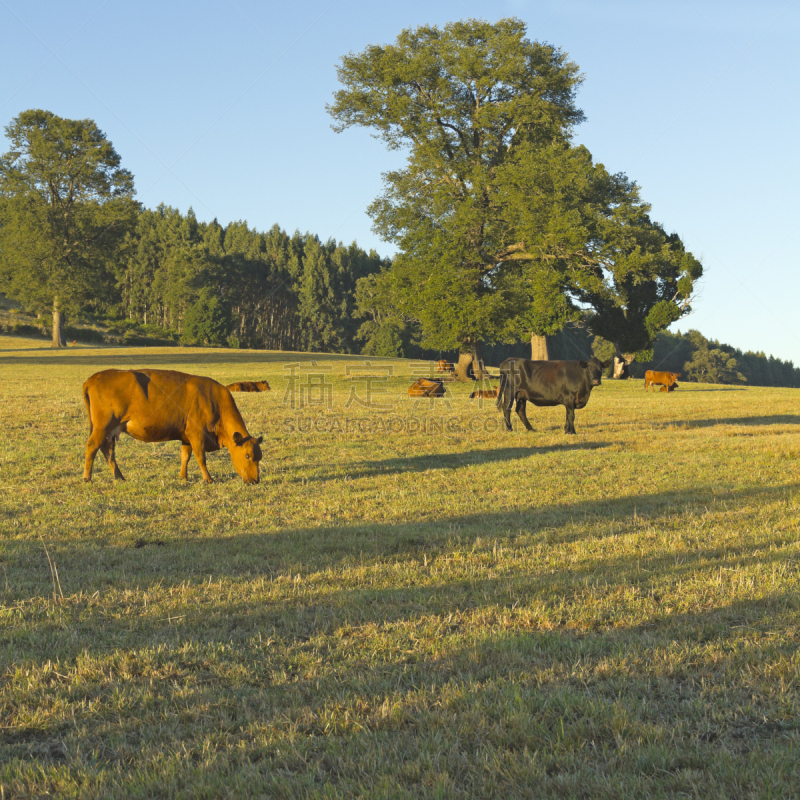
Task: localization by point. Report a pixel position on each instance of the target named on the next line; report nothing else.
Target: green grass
(411, 603)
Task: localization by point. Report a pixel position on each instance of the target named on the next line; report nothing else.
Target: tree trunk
(58, 326)
(539, 348)
(470, 366)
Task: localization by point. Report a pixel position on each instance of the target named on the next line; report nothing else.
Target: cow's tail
(88, 407)
(502, 388)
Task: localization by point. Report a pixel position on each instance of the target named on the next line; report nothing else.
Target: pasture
(411, 603)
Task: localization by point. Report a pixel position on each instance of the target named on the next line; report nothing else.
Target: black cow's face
(594, 368)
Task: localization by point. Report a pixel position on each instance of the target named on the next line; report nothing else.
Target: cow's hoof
(87, 480)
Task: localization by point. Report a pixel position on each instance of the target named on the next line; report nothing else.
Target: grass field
(411, 603)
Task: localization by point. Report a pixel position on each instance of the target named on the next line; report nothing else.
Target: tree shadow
(499, 660)
(417, 652)
(139, 358)
(147, 558)
(770, 419)
(445, 461)
(721, 389)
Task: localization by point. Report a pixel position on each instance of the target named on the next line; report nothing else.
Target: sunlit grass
(411, 602)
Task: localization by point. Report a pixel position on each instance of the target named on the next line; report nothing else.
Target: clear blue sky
(221, 106)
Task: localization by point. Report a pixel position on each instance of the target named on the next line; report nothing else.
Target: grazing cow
(547, 383)
(248, 386)
(444, 366)
(426, 388)
(667, 380)
(483, 393)
(155, 405)
(621, 369)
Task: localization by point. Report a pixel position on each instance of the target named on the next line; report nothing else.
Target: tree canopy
(503, 226)
(66, 205)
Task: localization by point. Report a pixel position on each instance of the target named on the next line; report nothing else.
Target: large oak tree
(65, 208)
(504, 228)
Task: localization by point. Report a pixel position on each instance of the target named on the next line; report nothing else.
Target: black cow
(547, 383)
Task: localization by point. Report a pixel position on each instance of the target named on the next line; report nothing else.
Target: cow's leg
(200, 455)
(109, 449)
(507, 417)
(504, 400)
(521, 413)
(97, 440)
(570, 426)
(186, 454)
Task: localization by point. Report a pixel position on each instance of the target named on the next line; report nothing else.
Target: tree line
(709, 361)
(240, 287)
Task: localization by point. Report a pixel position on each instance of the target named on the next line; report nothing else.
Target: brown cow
(426, 388)
(248, 386)
(156, 405)
(483, 393)
(667, 380)
(444, 366)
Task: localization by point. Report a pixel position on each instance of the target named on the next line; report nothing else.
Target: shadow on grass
(437, 461)
(342, 680)
(769, 419)
(141, 359)
(90, 564)
(685, 385)
(510, 664)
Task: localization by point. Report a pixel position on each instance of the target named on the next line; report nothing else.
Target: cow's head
(621, 367)
(594, 367)
(245, 455)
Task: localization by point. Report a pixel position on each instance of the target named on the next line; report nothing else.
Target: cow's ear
(584, 364)
(259, 440)
(677, 374)
(607, 363)
(237, 438)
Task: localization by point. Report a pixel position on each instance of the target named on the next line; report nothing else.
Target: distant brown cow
(248, 386)
(483, 393)
(444, 366)
(667, 380)
(155, 405)
(426, 388)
